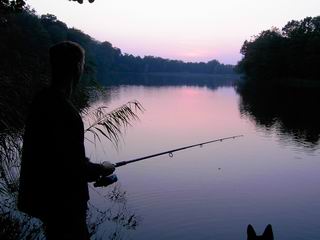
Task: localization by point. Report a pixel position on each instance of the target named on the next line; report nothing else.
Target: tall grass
(110, 124)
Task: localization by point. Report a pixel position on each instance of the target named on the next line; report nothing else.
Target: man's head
(67, 61)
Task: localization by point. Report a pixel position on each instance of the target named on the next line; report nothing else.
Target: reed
(110, 124)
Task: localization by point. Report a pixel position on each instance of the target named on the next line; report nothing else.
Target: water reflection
(212, 192)
(116, 220)
(212, 81)
(292, 114)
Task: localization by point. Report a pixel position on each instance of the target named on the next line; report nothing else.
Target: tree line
(105, 58)
(284, 56)
(102, 57)
(17, 5)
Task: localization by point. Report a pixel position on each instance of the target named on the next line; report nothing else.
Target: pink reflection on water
(177, 116)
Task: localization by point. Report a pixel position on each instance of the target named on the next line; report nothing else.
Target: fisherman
(54, 168)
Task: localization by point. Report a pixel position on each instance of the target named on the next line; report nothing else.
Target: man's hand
(108, 168)
(101, 173)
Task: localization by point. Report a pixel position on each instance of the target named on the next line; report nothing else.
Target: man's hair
(66, 59)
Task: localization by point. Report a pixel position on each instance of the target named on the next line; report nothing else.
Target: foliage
(81, 1)
(285, 55)
(18, 5)
(14, 225)
(23, 66)
(11, 5)
(10, 150)
(110, 124)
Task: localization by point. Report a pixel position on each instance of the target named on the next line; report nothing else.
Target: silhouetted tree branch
(11, 5)
(81, 1)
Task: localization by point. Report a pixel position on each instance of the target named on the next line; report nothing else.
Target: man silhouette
(54, 169)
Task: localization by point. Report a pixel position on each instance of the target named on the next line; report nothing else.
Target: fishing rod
(106, 180)
(170, 152)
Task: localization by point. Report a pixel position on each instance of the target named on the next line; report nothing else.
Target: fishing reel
(104, 181)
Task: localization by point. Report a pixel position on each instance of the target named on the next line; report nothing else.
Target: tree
(11, 5)
(282, 56)
(81, 1)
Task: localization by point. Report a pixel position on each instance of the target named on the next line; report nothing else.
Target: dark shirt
(54, 169)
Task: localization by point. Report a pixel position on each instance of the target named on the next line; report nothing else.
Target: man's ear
(250, 232)
(268, 233)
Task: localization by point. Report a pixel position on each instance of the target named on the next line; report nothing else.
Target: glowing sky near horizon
(189, 30)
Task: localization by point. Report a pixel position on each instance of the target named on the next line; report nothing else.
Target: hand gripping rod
(119, 164)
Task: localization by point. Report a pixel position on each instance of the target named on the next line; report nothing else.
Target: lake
(269, 176)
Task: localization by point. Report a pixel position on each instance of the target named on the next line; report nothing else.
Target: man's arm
(94, 170)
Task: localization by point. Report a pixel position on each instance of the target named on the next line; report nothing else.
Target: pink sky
(189, 30)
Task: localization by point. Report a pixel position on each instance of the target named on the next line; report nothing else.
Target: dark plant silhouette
(15, 227)
(11, 5)
(18, 5)
(100, 122)
(81, 1)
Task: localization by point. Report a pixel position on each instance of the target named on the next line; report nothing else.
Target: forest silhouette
(289, 56)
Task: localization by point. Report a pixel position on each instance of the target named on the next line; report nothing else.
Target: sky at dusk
(188, 30)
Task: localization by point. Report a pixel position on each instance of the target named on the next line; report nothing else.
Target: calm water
(269, 176)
